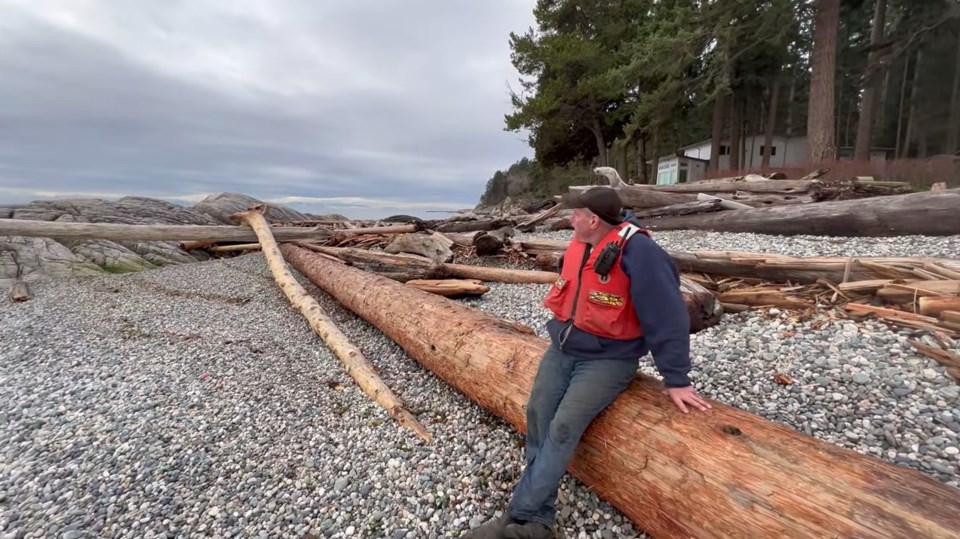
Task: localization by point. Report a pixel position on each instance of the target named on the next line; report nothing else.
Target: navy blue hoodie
(655, 290)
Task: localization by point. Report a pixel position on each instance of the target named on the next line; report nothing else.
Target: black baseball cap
(604, 202)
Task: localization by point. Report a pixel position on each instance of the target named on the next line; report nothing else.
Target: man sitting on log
(617, 298)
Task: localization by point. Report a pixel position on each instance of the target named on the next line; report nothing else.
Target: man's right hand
(686, 396)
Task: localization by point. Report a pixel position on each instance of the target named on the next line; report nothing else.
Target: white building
(680, 169)
(690, 162)
(784, 152)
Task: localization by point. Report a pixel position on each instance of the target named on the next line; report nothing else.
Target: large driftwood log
(490, 243)
(352, 358)
(777, 267)
(116, 232)
(464, 239)
(472, 226)
(704, 310)
(530, 224)
(686, 208)
(726, 204)
(643, 197)
(724, 473)
(421, 244)
(384, 230)
(929, 213)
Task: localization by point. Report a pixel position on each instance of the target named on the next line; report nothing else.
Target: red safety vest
(603, 308)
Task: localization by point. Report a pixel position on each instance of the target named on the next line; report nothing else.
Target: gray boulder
(221, 205)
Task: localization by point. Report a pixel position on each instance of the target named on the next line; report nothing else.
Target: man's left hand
(684, 396)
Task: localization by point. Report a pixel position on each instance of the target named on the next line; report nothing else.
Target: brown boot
(491, 529)
(529, 530)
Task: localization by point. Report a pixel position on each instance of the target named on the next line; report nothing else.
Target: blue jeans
(568, 393)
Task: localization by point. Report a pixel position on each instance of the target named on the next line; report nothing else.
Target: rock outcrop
(32, 258)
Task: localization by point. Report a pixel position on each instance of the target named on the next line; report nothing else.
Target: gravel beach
(194, 401)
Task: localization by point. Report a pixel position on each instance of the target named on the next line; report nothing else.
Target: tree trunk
(601, 144)
(927, 213)
(953, 135)
(118, 232)
(717, 474)
(718, 109)
(898, 149)
(736, 130)
(771, 124)
(352, 358)
(880, 109)
(912, 115)
(655, 160)
(642, 172)
(621, 149)
(865, 122)
(820, 114)
(791, 101)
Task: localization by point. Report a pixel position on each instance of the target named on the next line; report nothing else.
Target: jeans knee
(560, 432)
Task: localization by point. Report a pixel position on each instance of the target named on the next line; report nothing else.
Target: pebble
(194, 401)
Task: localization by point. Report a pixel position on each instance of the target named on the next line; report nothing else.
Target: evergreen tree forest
(621, 83)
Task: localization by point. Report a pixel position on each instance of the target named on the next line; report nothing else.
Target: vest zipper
(564, 333)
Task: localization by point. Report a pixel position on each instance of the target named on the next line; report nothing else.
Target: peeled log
(724, 473)
(119, 232)
(349, 355)
(934, 306)
(450, 287)
(928, 213)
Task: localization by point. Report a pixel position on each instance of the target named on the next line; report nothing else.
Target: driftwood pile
(772, 204)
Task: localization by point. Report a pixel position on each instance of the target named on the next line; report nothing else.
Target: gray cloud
(351, 106)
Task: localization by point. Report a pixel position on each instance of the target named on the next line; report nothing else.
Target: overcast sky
(349, 106)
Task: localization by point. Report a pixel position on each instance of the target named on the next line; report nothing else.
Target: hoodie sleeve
(655, 291)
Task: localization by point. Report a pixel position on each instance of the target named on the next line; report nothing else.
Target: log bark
(382, 230)
(643, 197)
(236, 247)
(562, 223)
(450, 287)
(874, 271)
(472, 226)
(929, 213)
(490, 243)
(117, 232)
(724, 203)
(353, 361)
(464, 239)
(724, 473)
(685, 208)
(530, 224)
